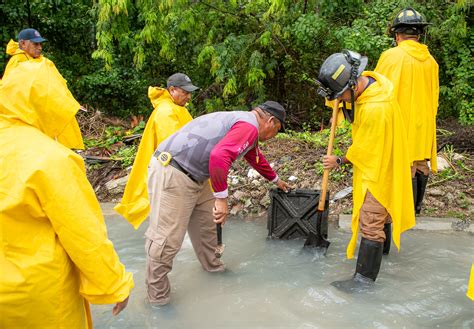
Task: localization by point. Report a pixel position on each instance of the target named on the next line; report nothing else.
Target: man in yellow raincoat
(29, 48)
(169, 115)
(55, 257)
(381, 175)
(414, 74)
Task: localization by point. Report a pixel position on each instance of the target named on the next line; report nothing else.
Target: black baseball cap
(275, 109)
(182, 81)
(31, 35)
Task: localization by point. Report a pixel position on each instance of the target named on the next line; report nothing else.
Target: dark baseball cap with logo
(31, 35)
(275, 109)
(182, 81)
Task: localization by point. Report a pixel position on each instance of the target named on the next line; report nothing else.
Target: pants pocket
(154, 248)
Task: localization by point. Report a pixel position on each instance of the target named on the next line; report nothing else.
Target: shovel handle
(219, 234)
(322, 197)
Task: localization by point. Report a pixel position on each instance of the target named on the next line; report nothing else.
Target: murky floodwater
(274, 284)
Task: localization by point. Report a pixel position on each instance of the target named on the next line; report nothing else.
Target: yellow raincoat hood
(414, 74)
(52, 112)
(167, 118)
(55, 256)
(13, 48)
(380, 158)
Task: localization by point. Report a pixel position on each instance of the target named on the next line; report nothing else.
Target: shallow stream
(276, 284)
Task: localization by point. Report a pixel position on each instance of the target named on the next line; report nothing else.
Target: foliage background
(239, 52)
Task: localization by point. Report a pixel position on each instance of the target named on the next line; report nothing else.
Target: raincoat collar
(415, 49)
(37, 95)
(157, 95)
(379, 91)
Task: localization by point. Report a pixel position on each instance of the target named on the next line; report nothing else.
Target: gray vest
(192, 144)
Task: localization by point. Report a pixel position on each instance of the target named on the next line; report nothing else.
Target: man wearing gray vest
(187, 185)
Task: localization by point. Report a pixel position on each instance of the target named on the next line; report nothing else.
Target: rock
(116, 186)
(253, 173)
(292, 178)
(442, 164)
(436, 204)
(236, 209)
(265, 202)
(457, 156)
(239, 195)
(435, 192)
(248, 203)
(450, 197)
(255, 194)
(234, 180)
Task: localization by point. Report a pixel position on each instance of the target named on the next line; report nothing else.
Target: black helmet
(339, 72)
(408, 21)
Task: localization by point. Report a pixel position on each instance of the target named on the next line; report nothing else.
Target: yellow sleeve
(69, 201)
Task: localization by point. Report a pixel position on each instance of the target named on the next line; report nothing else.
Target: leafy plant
(126, 155)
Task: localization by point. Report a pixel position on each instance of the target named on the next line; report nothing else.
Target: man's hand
(119, 307)
(220, 211)
(329, 162)
(282, 185)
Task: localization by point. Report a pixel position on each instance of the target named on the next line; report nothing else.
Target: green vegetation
(240, 52)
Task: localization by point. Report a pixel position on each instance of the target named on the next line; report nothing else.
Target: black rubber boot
(387, 228)
(422, 180)
(414, 186)
(368, 266)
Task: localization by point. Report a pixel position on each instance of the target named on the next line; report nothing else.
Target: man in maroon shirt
(187, 179)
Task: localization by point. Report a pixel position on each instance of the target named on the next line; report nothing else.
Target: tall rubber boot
(414, 186)
(368, 266)
(420, 192)
(387, 228)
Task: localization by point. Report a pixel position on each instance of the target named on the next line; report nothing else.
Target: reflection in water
(276, 284)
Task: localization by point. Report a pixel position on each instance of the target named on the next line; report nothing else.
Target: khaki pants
(420, 166)
(373, 216)
(177, 205)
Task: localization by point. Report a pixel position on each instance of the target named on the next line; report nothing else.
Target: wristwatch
(339, 161)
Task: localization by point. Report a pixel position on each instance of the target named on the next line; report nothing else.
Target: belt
(176, 165)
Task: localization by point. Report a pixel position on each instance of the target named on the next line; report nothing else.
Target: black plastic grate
(294, 214)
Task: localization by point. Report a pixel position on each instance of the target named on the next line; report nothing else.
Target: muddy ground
(449, 193)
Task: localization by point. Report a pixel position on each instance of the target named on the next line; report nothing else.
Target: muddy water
(275, 284)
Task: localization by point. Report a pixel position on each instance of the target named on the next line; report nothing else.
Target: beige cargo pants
(421, 166)
(177, 205)
(372, 219)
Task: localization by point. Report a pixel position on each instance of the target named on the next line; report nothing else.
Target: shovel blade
(316, 241)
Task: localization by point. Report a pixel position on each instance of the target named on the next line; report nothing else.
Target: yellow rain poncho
(470, 285)
(380, 158)
(167, 118)
(55, 256)
(414, 74)
(70, 136)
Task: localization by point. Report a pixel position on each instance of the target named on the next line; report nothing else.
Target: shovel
(220, 246)
(318, 240)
